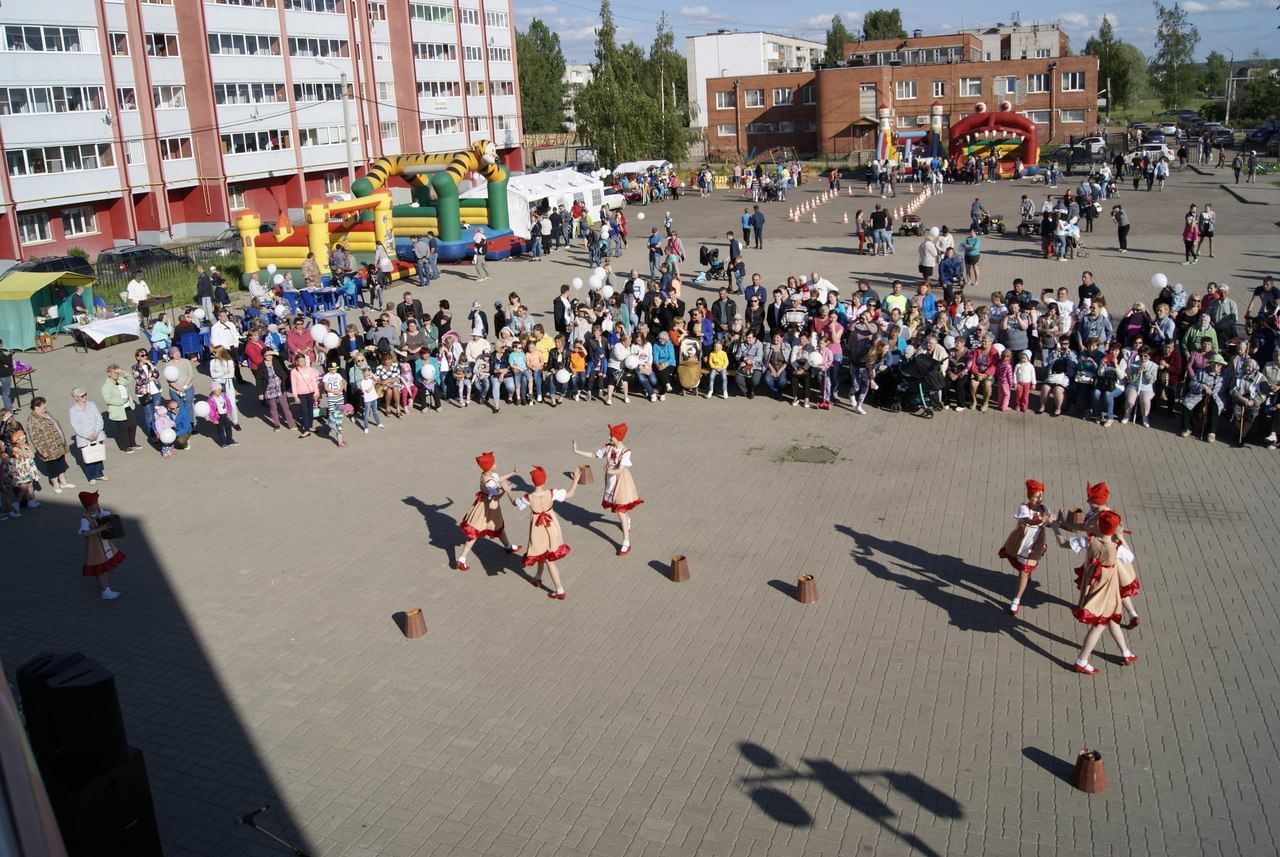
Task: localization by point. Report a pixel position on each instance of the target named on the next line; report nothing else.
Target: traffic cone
(845, 218)
(813, 218)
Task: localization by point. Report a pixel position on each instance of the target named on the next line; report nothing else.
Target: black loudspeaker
(73, 717)
(111, 815)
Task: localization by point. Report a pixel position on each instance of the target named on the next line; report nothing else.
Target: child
(1004, 378)
(164, 420)
(546, 543)
(464, 377)
(408, 390)
(334, 389)
(556, 360)
(597, 371)
(718, 362)
(368, 400)
(578, 367)
(220, 415)
(1024, 377)
(1025, 545)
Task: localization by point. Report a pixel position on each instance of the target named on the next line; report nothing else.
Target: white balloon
(428, 371)
(999, 348)
(278, 280)
(817, 359)
(576, 282)
(319, 332)
(332, 340)
(934, 232)
(1159, 281)
(595, 282)
(631, 361)
(640, 216)
(171, 373)
(202, 410)
(271, 269)
(598, 272)
(563, 376)
(607, 292)
(168, 436)
(198, 314)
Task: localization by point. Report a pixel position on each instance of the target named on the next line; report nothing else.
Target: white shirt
(224, 334)
(137, 291)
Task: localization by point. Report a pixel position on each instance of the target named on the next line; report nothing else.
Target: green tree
(541, 78)
(1121, 66)
(668, 81)
(837, 37)
(1173, 71)
(1256, 101)
(883, 24)
(1216, 72)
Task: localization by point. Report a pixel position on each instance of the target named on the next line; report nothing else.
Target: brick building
(832, 111)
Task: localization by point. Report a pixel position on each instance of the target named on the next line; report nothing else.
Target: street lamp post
(346, 119)
(1230, 85)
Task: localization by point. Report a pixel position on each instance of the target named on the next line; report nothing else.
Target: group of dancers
(546, 543)
(1106, 580)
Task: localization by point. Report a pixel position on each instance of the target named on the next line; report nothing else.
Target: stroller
(921, 381)
(710, 257)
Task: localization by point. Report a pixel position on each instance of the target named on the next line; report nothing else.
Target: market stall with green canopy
(25, 301)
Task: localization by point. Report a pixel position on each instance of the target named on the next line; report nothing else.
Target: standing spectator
(226, 334)
(304, 385)
(1208, 222)
(222, 369)
(270, 376)
(1122, 226)
(86, 423)
(1190, 240)
(6, 377)
(137, 290)
(757, 226)
(50, 443)
(479, 247)
(122, 403)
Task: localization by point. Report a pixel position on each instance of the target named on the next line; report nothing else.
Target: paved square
(905, 712)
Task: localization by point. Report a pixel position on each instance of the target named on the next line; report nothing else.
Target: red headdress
(88, 499)
(618, 432)
(1109, 522)
(538, 477)
(1034, 487)
(485, 460)
(1098, 494)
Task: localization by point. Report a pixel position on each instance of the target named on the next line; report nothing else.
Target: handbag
(94, 453)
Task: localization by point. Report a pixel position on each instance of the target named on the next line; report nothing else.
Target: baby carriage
(921, 379)
(710, 257)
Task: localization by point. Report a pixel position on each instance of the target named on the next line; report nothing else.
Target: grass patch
(180, 281)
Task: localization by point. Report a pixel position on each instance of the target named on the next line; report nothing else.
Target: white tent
(631, 168)
(554, 187)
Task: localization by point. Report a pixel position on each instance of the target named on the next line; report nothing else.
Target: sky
(1224, 25)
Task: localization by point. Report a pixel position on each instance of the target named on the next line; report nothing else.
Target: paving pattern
(905, 712)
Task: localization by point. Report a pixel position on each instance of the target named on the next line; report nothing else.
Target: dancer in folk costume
(620, 493)
(100, 553)
(1026, 544)
(546, 543)
(1098, 495)
(484, 521)
(1100, 605)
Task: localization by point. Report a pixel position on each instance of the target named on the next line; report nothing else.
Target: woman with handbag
(122, 403)
(1109, 385)
(86, 423)
(100, 553)
(50, 443)
(146, 387)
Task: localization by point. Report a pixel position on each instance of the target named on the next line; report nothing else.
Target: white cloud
(1075, 19)
(822, 21)
(1195, 6)
(534, 11)
(1230, 5)
(704, 13)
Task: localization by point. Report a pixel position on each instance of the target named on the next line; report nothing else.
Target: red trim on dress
(549, 556)
(103, 567)
(1018, 565)
(1088, 618)
(620, 507)
(1131, 589)
(472, 533)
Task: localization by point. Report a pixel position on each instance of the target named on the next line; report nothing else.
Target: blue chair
(291, 298)
(308, 302)
(191, 343)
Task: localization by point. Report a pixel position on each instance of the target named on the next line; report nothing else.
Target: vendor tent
(631, 168)
(27, 299)
(532, 191)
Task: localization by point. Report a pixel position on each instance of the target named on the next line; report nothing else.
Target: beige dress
(1025, 546)
(485, 518)
(620, 493)
(546, 542)
(100, 554)
(1129, 583)
(1101, 604)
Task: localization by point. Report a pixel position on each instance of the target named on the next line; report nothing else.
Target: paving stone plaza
(906, 712)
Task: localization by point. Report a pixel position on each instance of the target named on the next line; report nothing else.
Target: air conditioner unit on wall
(922, 120)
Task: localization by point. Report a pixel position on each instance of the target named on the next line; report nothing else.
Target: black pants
(748, 381)
(126, 430)
(1122, 234)
(666, 379)
(1210, 419)
(800, 380)
(222, 431)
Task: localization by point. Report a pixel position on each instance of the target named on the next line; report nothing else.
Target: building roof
(718, 33)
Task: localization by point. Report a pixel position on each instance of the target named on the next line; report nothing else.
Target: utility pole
(346, 119)
(1231, 82)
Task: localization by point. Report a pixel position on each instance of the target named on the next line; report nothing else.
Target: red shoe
(1130, 660)
(1132, 623)
(515, 549)
(461, 565)
(624, 550)
(536, 581)
(556, 596)
(1086, 669)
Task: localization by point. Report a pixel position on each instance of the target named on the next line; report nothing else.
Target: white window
(502, 87)
(478, 123)
(470, 16)
(726, 130)
(253, 93)
(786, 127)
(1071, 117)
(939, 89)
(303, 47)
(441, 89)
(904, 89)
(134, 154)
(754, 98)
(34, 228)
(435, 51)
(320, 92)
(336, 7)
(58, 159)
(118, 44)
(472, 53)
(240, 44)
(1040, 117)
(175, 148)
(1006, 85)
(1042, 53)
(235, 196)
(1037, 83)
(475, 88)
(386, 91)
(428, 12)
(377, 11)
(1073, 81)
(79, 220)
(161, 44)
(499, 54)
(322, 135)
(255, 141)
(496, 19)
(724, 100)
(157, 2)
(760, 128)
(50, 99)
(42, 39)
(389, 130)
(783, 97)
(333, 183)
(811, 94)
(382, 52)
(169, 97)
(126, 99)
(906, 122)
(810, 126)
(256, 4)
(437, 127)
(970, 87)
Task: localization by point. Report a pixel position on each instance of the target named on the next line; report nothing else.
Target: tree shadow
(936, 578)
(202, 762)
(852, 788)
(1059, 769)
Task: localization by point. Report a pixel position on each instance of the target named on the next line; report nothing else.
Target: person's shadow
(941, 579)
(574, 512)
(442, 530)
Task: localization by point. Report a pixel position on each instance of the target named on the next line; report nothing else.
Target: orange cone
(845, 218)
(813, 218)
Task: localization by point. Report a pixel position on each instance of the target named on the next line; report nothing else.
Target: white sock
(1017, 601)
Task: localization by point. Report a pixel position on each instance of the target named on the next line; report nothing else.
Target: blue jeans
(649, 381)
(371, 410)
(188, 396)
(776, 385)
(93, 471)
(6, 386)
(149, 413)
(536, 377)
(579, 384)
(1110, 397)
(434, 260)
(536, 245)
(424, 272)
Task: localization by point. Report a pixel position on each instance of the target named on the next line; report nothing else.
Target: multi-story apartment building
(725, 53)
(145, 120)
(832, 111)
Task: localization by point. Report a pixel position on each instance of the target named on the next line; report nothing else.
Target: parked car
(1154, 135)
(1168, 128)
(1095, 146)
(1074, 156)
(53, 264)
(116, 265)
(227, 241)
(1156, 151)
(1272, 146)
(1220, 133)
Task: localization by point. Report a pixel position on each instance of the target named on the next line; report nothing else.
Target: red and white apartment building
(129, 121)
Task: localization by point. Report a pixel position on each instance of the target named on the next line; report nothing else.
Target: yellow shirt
(544, 346)
(718, 360)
